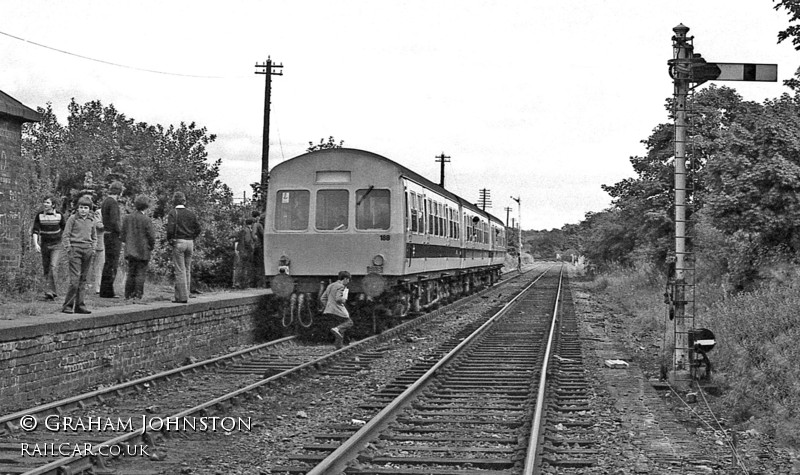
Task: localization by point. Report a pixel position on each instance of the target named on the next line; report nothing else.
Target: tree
(331, 143)
(150, 159)
(792, 8)
(754, 181)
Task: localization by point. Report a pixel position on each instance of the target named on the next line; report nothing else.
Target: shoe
(112, 297)
(339, 339)
(83, 310)
(66, 310)
(192, 296)
(49, 296)
(180, 301)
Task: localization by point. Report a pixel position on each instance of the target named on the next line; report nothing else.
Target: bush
(757, 336)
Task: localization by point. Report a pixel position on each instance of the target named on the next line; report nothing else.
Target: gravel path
(653, 431)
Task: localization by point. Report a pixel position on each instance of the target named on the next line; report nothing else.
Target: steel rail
(59, 466)
(60, 404)
(533, 441)
(7, 420)
(335, 462)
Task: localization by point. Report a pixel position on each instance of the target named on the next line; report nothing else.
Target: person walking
(333, 300)
(112, 225)
(78, 239)
(48, 228)
(182, 229)
(139, 238)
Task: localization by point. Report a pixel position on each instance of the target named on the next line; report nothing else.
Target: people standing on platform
(78, 239)
(182, 229)
(139, 238)
(333, 302)
(258, 251)
(243, 248)
(48, 227)
(112, 225)
(99, 250)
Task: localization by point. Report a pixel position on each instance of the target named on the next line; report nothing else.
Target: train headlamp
(378, 260)
(283, 265)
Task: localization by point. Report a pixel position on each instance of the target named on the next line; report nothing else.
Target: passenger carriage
(400, 235)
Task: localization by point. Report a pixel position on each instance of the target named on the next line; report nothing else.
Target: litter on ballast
(616, 364)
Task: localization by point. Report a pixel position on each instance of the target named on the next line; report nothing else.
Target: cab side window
(373, 209)
(291, 210)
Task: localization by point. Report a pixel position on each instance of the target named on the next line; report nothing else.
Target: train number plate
(385, 237)
(374, 269)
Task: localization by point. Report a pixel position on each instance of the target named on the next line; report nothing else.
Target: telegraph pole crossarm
(485, 198)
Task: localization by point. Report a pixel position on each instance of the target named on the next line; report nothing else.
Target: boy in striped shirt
(47, 229)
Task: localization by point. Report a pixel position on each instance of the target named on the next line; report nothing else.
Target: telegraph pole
(268, 70)
(519, 232)
(485, 198)
(442, 159)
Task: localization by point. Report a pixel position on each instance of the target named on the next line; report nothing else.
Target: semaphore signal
(688, 70)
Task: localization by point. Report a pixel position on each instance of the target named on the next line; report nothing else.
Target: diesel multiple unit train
(407, 242)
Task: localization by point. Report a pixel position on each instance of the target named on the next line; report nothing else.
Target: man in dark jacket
(139, 238)
(182, 229)
(258, 252)
(111, 222)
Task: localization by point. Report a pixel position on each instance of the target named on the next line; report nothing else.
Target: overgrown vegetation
(149, 159)
(745, 227)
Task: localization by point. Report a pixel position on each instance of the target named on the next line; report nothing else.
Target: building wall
(10, 164)
(60, 358)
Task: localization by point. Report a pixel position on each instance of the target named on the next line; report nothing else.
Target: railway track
(67, 436)
(476, 406)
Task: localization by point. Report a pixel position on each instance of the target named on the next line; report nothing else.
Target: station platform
(57, 354)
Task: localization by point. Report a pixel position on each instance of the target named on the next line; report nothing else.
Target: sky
(541, 100)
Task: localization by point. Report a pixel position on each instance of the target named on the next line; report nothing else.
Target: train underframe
(402, 297)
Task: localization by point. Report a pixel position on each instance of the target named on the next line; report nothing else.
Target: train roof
(404, 171)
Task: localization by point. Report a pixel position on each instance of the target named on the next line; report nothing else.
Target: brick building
(12, 115)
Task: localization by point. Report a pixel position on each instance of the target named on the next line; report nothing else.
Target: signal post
(689, 70)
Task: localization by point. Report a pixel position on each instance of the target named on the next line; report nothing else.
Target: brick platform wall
(57, 359)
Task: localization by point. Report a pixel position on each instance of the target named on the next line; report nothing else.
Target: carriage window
(421, 214)
(291, 210)
(332, 210)
(372, 209)
(442, 229)
(429, 213)
(414, 212)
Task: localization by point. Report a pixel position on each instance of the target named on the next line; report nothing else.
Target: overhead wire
(110, 63)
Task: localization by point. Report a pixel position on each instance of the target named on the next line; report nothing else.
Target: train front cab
(329, 212)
